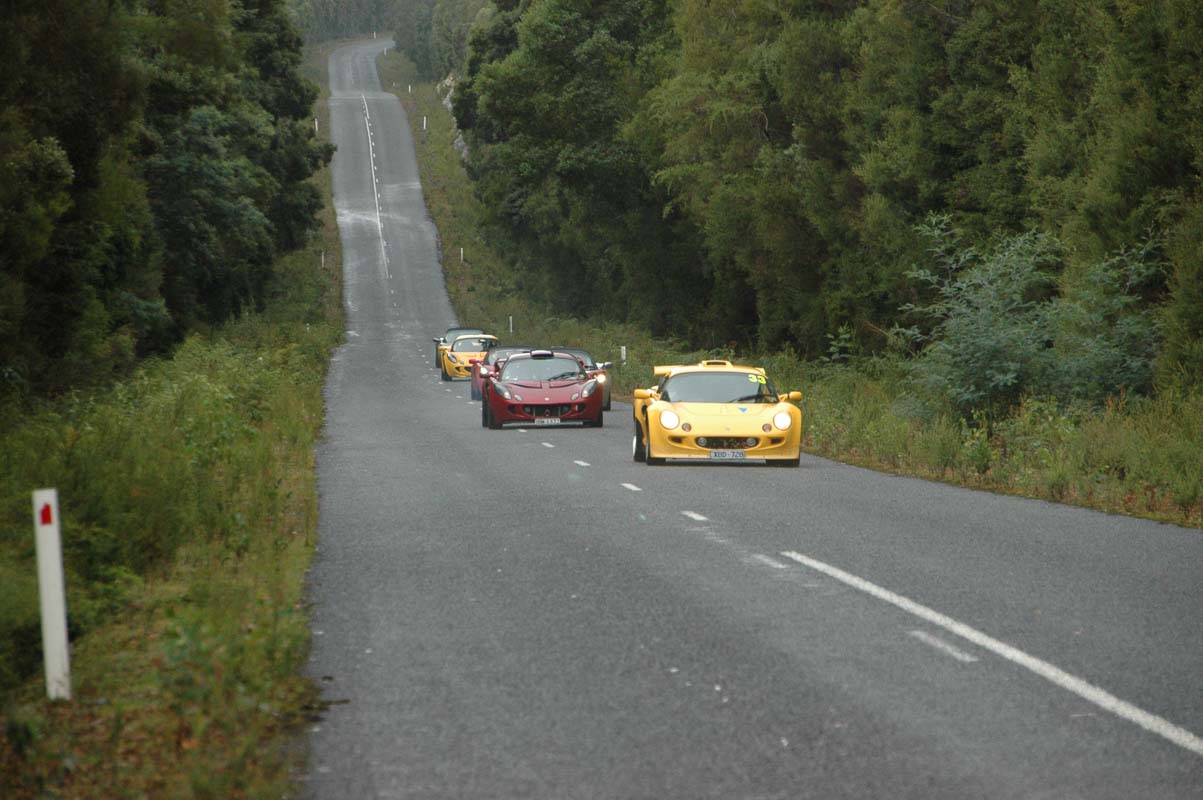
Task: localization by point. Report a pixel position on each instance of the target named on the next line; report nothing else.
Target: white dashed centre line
(632, 487)
(581, 463)
(944, 647)
(695, 516)
(1071, 683)
(772, 562)
(547, 444)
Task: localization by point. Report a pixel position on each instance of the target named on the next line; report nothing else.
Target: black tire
(494, 425)
(475, 391)
(484, 415)
(598, 421)
(638, 451)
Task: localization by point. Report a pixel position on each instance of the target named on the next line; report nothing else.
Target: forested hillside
(1011, 189)
(153, 164)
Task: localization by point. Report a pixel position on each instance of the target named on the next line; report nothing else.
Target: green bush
(994, 330)
(184, 449)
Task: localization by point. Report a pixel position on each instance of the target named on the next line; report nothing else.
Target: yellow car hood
(728, 415)
(728, 412)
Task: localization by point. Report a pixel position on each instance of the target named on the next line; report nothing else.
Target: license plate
(547, 420)
(727, 455)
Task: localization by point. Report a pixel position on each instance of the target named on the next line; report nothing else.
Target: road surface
(529, 613)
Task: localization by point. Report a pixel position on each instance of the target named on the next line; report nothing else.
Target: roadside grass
(190, 515)
(1136, 456)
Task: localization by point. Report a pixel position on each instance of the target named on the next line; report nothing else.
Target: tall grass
(189, 517)
(1134, 455)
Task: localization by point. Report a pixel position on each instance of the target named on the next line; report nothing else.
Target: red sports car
(541, 387)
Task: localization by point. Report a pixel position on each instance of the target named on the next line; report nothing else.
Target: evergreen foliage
(433, 34)
(153, 162)
(759, 172)
(996, 330)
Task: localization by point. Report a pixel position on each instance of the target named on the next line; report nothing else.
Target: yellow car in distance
(456, 361)
(716, 411)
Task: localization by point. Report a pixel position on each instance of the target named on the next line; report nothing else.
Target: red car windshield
(542, 369)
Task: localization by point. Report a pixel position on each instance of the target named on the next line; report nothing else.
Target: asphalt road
(528, 613)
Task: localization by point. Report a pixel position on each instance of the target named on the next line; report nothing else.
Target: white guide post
(52, 594)
(622, 351)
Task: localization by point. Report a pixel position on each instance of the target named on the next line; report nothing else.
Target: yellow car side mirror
(790, 397)
(642, 394)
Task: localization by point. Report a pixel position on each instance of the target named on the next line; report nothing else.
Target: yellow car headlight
(669, 420)
(782, 420)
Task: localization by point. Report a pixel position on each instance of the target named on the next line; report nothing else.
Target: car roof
(576, 351)
(710, 365)
(503, 351)
(543, 352)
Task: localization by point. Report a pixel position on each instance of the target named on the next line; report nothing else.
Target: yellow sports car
(457, 360)
(716, 411)
(441, 343)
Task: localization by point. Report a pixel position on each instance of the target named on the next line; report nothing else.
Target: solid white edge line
(771, 562)
(695, 516)
(1093, 694)
(632, 487)
(944, 647)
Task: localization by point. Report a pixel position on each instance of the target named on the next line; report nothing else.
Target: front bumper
(770, 446)
(514, 412)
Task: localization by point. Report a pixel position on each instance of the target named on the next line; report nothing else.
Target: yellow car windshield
(471, 345)
(718, 387)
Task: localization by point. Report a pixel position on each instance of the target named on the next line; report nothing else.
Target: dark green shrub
(994, 328)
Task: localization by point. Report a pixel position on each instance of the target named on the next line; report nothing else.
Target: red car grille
(552, 410)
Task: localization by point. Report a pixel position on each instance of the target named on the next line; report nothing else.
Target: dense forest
(1010, 190)
(153, 163)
